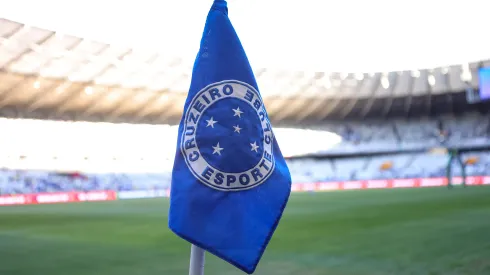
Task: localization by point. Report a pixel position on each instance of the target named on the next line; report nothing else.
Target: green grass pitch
(372, 232)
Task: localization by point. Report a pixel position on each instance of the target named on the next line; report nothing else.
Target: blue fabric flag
(230, 182)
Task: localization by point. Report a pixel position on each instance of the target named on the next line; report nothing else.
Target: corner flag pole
(196, 266)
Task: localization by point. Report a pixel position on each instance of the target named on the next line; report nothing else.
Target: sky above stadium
(306, 35)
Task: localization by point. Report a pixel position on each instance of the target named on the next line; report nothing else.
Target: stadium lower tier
(303, 171)
(110, 195)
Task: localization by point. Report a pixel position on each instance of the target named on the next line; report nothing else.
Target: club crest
(227, 139)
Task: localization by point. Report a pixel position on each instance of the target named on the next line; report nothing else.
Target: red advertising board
(67, 197)
(382, 184)
(13, 199)
(64, 197)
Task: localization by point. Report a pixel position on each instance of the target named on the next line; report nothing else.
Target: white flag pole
(196, 266)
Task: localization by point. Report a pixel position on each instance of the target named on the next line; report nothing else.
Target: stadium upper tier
(394, 135)
(302, 171)
(44, 74)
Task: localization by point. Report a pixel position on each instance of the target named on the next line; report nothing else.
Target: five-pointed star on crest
(217, 149)
(211, 122)
(255, 147)
(237, 112)
(237, 129)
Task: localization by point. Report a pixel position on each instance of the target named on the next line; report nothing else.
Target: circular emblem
(227, 139)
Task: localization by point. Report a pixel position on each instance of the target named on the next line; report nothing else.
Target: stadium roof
(308, 35)
(140, 71)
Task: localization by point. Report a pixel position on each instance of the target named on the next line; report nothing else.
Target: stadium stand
(403, 166)
(405, 138)
(386, 123)
(26, 182)
(302, 171)
(398, 136)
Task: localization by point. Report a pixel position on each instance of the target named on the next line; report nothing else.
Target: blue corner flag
(230, 182)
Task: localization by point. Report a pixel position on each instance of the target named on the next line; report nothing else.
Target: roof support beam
(387, 106)
(371, 99)
(408, 105)
(390, 98)
(96, 100)
(274, 106)
(6, 96)
(146, 109)
(27, 50)
(329, 108)
(7, 92)
(428, 102)
(313, 108)
(14, 31)
(129, 98)
(167, 110)
(449, 97)
(348, 109)
(121, 105)
(285, 112)
(408, 99)
(34, 102)
(63, 104)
